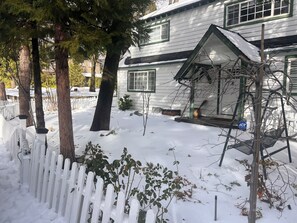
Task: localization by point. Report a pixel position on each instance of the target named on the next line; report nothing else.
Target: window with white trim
(159, 33)
(251, 10)
(291, 82)
(142, 81)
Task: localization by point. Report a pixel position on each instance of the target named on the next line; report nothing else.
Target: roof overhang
(216, 47)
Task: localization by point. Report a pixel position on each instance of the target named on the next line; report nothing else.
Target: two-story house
(193, 39)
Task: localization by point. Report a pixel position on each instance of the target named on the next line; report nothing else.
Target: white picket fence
(70, 192)
(8, 109)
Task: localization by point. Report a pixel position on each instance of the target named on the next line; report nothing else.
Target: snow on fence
(8, 110)
(70, 192)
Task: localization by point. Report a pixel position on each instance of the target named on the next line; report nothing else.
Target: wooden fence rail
(70, 192)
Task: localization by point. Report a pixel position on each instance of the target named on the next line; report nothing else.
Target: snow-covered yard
(198, 150)
(16, 204)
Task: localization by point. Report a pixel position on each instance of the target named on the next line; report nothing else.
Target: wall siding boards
(169, 94)
(186, 30)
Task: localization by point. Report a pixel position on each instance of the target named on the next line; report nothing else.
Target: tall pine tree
(119, 20)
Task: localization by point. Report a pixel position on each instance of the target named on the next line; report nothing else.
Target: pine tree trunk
(101, 118)
(2, 92)
(40, 123)
(24, 84)
(93, 72)
(63, 94)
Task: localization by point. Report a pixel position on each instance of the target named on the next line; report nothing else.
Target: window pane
(267, 9)
(142, 81)
(251, 10)
(131, 81)
(151, 82)
(157, 34)
(165, 32)
(293, 76)
(233, 15)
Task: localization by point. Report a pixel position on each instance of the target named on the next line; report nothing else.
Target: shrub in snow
(125, 103)
(152, 184)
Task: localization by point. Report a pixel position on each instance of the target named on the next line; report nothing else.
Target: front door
(228, 93)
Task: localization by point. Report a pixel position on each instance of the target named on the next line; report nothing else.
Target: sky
(197, 148)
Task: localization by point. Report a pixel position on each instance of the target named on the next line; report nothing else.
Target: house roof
(177, 7)
(234, 41)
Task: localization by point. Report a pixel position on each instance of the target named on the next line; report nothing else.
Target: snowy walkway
(16, 204)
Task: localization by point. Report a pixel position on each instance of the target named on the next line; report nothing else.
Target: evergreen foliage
(75, 74)
(125, 103)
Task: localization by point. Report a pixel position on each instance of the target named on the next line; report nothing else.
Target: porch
(209, 121)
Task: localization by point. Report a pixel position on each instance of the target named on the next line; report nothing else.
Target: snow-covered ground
(197, 148)
(16, 204)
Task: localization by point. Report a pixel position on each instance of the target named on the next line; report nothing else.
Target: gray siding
(169, 93)
(187, 28)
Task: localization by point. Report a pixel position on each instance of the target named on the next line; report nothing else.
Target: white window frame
(143, 81)
(291, 79)
(159, 33)
(255, 11)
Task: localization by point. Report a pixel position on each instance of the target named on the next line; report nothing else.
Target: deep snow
(196, 147)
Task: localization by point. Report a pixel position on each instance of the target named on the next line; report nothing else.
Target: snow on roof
(251, 51)
(171, 7)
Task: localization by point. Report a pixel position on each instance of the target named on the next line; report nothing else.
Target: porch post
(192, 93)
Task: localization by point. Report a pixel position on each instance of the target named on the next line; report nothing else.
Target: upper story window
(252, 10)
(159, 33)
(291, 82)
(142, 81)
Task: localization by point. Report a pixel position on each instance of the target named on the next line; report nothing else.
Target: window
(142, 81)
(251, 10)
(291, 82)
(159, 33)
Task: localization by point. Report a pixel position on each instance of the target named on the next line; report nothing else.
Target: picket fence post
(108, 202)
(34, 167)
(78, 195)
(45, 176)
(87, 197)
(49, 193)
(120, 207)
(41, 172)
(98, 200)
(134, 211)
(57, 184)
(64, 178)
(70, 191)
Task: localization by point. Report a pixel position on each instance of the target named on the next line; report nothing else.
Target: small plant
(270, 191)
(152, 184)
(125, 103)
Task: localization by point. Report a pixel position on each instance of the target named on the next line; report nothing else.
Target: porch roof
(232, 40)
